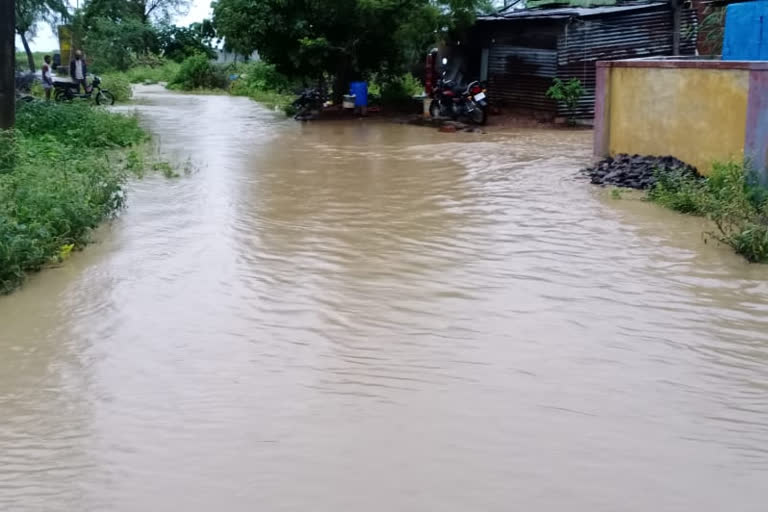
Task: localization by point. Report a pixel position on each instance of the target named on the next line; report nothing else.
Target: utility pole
(7, 64)
(677, 7)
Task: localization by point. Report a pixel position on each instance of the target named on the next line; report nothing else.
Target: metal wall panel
(520, 73)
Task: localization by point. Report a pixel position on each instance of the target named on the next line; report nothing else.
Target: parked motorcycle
(309, 103)
(451, 100)
(67, 91)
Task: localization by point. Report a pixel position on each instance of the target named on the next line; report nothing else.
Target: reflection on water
(367, 316)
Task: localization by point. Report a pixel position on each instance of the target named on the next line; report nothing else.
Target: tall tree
(7, 67)
(344, 38)
(114, 32)
(178, 43)
(144, 10)
(31, 12)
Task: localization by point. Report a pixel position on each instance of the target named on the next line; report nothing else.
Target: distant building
(520, 52)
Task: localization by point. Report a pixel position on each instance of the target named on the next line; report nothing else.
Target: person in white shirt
(78, 70)
(47, 77)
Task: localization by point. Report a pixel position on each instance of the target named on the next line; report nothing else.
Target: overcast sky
(47, 41)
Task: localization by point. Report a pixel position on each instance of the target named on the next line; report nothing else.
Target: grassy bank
(22, 62)
(61, 174)
(257, 80)
(119, 82)
(730, 197)
(163, 71)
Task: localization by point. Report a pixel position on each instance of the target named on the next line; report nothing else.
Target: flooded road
(366, 316)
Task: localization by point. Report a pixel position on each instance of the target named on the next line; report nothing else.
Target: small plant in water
(731, 197)
(615, 193)
(569, 93)
(165, 168)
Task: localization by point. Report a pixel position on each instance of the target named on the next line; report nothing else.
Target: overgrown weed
(731, 197)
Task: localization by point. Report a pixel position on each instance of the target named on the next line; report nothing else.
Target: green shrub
(78, 124)
(259, 76)
(146, 74)
(680, 191)
(261, 82)
(118, 85)
(569, 92)
(58, 180)
(198, 72)
(731, 198)
(399, 91)
(49, 201)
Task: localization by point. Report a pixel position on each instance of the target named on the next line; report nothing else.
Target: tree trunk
(7, 64)
(30, 57)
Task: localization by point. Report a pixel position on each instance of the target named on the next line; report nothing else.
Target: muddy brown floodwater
(362, 316)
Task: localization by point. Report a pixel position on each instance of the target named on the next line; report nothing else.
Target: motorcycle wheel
(302, 114)
(59, 95)
(105, 98)
(479, 116)
(435, 112)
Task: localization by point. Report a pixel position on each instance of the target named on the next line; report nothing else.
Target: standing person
(47, 77)
(78, 70)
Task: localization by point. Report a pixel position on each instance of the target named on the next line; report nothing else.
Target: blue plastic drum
(360, 90)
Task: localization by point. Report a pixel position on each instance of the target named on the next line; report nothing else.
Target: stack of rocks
(635, 171)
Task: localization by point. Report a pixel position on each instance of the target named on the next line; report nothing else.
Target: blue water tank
(360, 90)
(746, 31)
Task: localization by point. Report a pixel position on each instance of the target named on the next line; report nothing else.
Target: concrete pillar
(602, 128)
(756, 137)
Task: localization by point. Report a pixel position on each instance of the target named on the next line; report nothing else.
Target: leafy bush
(198, 72)
(679, 191)
(731, 197)
(399, 91)
(712, 29)
(152, 74)
(57, 182)
(260, 76)
(263, 83)
(78, 124)
(567, 92)
(112, 46)
(118, 85)
(179, 43)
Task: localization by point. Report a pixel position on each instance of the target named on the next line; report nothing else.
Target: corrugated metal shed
(567, 12)
(528, 48)
(521, 75)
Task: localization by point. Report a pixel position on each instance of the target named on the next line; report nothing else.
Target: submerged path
(364, 316)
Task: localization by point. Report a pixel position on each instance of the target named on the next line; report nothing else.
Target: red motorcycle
(451, 100)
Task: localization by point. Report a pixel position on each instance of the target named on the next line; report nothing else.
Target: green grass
(272, 99)
(60, 176)
(118, 84)
(263, 83)
(152, 74)
(730, 197)
(23, 64)
(203, 91)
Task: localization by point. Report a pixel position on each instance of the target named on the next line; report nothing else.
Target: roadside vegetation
(263, 83)
(61, 174)
(569, 93)
(329, 42)
(730, 197)
(22, 60)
